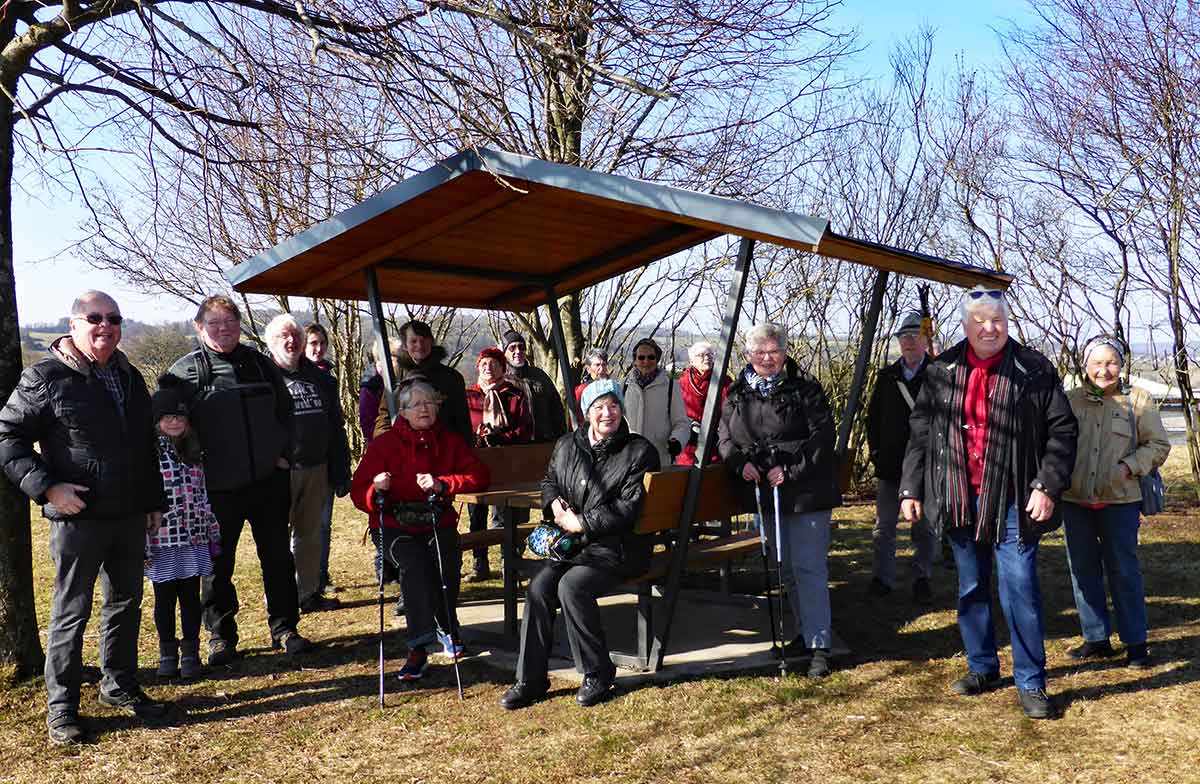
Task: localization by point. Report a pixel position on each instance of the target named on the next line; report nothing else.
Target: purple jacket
(369, 395)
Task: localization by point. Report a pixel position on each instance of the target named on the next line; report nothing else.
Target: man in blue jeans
(991, 451)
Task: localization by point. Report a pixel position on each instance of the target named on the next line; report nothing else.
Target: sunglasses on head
(99, 318)
(980, 293)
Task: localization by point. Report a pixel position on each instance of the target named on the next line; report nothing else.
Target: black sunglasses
(99, 318)
(993, 293)
(645, 357)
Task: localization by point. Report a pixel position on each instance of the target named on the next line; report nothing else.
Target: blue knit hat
(598, 389)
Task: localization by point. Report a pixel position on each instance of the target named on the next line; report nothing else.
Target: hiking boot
(1138, 657)
(522, 694)
(796, 649)
(319, 603)
(65, 729)
(595, 690)
(398, 609)
(135, 702)
(1036, 703)
(974, 683)
(1098, 649)
(292, 643)
(221, 653)
(878, 589)
(415, 664)
(168, 659)
(922, 593)
(819, 666)
(189, 660)
(451, 647)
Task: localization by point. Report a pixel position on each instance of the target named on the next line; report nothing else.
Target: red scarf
(975, 408)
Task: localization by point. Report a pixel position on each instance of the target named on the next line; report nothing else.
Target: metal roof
(487, 229)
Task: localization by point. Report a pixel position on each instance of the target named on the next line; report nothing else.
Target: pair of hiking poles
(776, 618)
(380, 502)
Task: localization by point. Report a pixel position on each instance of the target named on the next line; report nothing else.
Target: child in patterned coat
(181, 551)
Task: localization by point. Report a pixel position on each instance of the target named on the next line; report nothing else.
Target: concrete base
(711, 633)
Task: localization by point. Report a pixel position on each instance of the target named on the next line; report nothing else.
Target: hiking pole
(436, 512)
(762, 539)
(774, 453)
(379, 500)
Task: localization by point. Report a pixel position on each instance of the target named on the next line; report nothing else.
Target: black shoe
(137, 703)
(319, 603)
(975, 683)
(1036, 703)
(1100, 649)
(221, 653)
(398, 609)
(65, 729)
(522, 694)
(922, 594)
(595, 690)
(819, 666)
(878, 588)
(1138, 657)
(292, 643)
(796, 649)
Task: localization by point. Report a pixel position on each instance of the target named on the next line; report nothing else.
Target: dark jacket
(64, 407)
(242, 414)
(404, 453)
(605, 486)
(797, 422)
(318, 426)
(545, 404)
(1043, 451)
(453, 413)
(887, 418)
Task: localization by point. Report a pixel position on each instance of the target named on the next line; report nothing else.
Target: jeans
(82, 551)
(421, 582)
(805, 572)
(187, 593)
(574, 588)
(1020, 600)
(1100, 543)
(265, 504)
(887, 513)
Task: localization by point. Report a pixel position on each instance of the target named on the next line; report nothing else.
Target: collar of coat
(1028, 364)
(614, 443)
(436, 356)
(791, 378)
(64, 350)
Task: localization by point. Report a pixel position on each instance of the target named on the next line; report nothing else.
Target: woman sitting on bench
(593, 489)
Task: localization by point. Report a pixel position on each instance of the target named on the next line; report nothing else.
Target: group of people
(980, 444)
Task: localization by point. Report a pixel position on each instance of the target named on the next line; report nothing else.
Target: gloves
(673, 447)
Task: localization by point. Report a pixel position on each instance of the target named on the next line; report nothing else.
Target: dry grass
(886, 716)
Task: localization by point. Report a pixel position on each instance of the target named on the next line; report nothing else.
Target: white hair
(406, 390)
(762, 333)
(982, 298)
(700, 347)
(279, 324)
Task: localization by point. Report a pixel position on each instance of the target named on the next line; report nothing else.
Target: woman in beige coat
(654, 406)
(1121, 438)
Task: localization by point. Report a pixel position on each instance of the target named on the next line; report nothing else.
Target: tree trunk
(20, 647)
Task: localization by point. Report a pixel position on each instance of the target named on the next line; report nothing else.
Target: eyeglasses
(765, 354)
(646, 358)
(99, 318)
(225, 323)
(421, 404)
(980, 293)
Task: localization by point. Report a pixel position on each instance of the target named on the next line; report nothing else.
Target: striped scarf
(997, 452)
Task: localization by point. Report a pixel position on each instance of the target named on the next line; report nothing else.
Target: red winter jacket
(404, 453)
(516, 405)
(694, 387)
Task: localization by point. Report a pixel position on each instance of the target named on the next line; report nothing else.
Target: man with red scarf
(693, 385)
(991, 452)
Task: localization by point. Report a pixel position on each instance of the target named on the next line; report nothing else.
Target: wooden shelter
(494, 230)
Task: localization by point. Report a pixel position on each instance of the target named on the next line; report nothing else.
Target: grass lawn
(886, 715)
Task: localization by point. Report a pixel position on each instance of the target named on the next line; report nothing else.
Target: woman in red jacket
(416, 459)
(693, 385)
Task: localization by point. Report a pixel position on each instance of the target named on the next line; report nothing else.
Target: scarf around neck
(494, 415)
(645, 381)
(760, 384)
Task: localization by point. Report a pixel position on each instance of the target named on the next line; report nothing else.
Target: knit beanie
(598, 389)
(510, 337)
(491, 352)
(174, 396)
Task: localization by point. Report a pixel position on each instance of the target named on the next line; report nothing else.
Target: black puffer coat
(795, 419)
(1043, 450)
(61, 404)
(604, 485)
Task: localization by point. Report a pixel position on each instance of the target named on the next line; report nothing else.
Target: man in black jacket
(96, 477)
(896, 390)
(545, 404)
(319, 458)
(242, 414)
(991, 451)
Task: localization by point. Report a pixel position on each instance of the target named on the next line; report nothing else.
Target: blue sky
(45, 221)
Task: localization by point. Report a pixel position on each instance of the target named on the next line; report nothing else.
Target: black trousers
(266, 505)
(421, 582)
(185, 593)
(575, 589)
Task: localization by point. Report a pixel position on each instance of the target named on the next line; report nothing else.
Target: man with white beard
(319, 457)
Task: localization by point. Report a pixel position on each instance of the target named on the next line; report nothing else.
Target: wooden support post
(704, 450)
(860, 368)
(389, 372)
